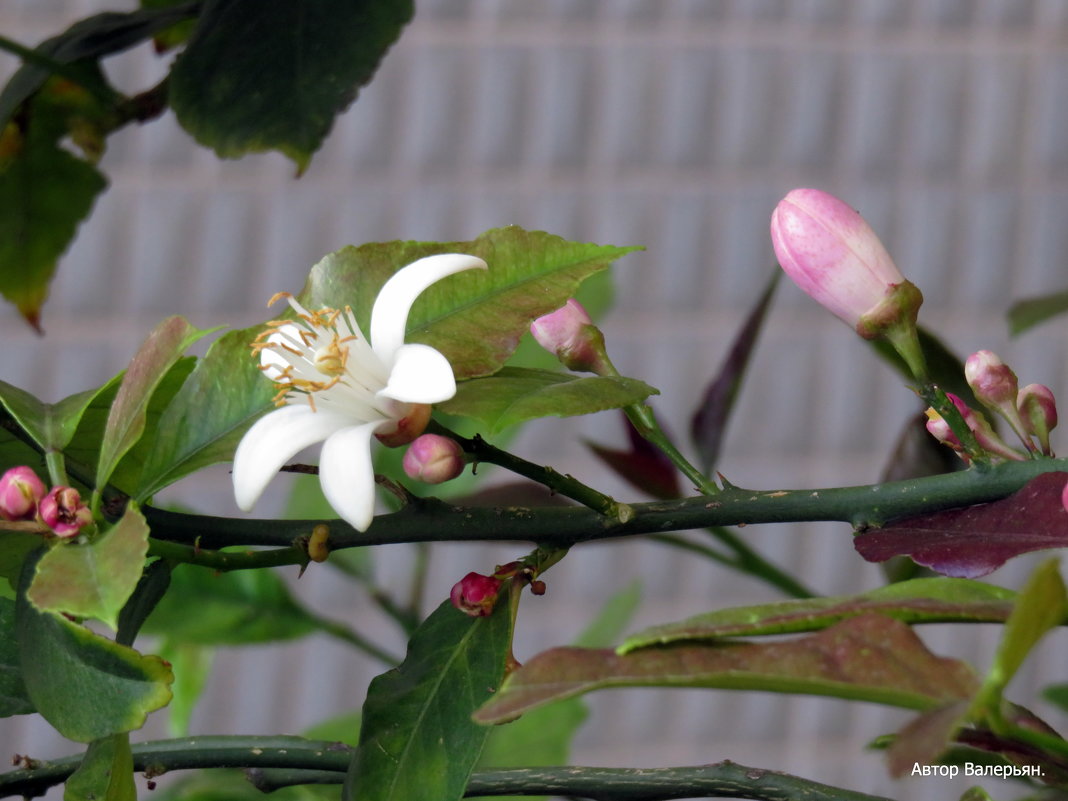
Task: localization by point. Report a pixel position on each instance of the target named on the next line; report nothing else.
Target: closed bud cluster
(20, 492)
(62, 511)
(475, 594)
(1038, 412)
(834, 256)
(434, 459)
(984, 434)
(571, 336)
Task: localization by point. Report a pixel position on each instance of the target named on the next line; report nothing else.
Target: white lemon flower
(338, 388)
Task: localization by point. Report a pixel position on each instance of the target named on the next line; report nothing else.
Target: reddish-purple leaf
(643, 465)
(975, 540)
(710, 419)
(870, 657)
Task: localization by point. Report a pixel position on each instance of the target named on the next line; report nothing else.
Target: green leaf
(50, 425)
(1027, 313)
(45, 193)
(245, 606)
(272, 74)
(418, 740)
(1041, 605)
(1057, 694)
(129, 412)
(475, 318)
(93, 579)
(15, 546)
(207, 417)
(13, 697)
(515, 394)
(871, 658)
(105, 774)
(192, 666)
(85, 685)
(922, 600)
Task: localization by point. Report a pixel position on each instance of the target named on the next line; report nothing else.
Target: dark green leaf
(13, 697)
(1057, 694)
(474, 318)
(150, 589)
(93, 579)
(106, 772)
(1030, 312)
(871, 658)
(51, 425)
(85, 685)
(272, 74)
(418, 740)
(15, 546)
(45, 193)
(90, 38)
(922, 600)
(204, 421)
(245, 606)
(129, 412)
(515, 394)
(709, 422)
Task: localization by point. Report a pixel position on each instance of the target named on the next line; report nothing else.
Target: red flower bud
(475, 594)
(62, 511)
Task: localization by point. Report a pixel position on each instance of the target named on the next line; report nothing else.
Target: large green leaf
(51, 425)
(204, 421)
(474, 318)
(85, 685)
(93, 579)
(871, 658)
(515, 394)
(13, 697)
(272, 74)
(922, 600)
(106, 772)
(245, 606)
(129, 412)
(418, 740)
(45, 193)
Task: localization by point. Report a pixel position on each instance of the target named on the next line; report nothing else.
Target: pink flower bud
(475, 594)
(570, 334)
(1038, 410)
(62, 511)
(1064, 497)
(20, 491)
(993, 381)
(984, 434)
(834, 256)
(434, 459)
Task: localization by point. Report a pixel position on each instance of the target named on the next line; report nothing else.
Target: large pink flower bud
(570, 334)
(996, 387)
(20, 491)
(434, 459)
(475, 594)
(832, 254)
(62, 511)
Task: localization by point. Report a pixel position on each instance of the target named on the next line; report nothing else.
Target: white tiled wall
(673, 124)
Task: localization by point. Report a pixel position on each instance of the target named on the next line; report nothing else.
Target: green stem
(83, 78)
(432, 520)
(306, 761)
(561, 483)
(749, 561)
(356, 640)
(644, 421)
(226, 560)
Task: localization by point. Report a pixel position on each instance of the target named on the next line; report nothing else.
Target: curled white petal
(420, 375)
(389, 315)
(272, 441)
(347, 476)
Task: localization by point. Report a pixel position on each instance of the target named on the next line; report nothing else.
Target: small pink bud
(62, 511)
(1038, 410)
(984, 434)
(993, 381)
(20, 492)
(570, 334)
(434, 459)
(475, 594)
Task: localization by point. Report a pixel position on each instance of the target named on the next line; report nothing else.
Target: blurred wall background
(674, 125)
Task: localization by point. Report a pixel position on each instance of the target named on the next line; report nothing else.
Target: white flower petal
(420, 375)
(389, 316)
(347, 476)
(272, 441)
(274, 360)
